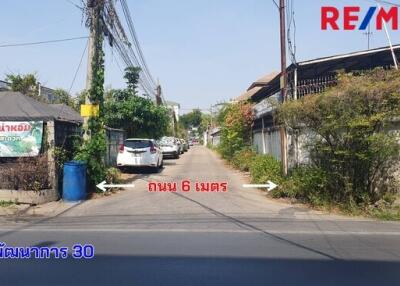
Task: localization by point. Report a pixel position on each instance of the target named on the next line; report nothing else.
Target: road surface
(235, 238)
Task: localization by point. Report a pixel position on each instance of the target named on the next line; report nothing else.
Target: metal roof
(356, 61)
(14, 106)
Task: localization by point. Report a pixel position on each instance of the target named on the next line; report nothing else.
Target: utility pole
(283, 83)
(368, 34)
(94, 7)
(158, 95)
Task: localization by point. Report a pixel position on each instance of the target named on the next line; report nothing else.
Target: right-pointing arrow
(269, 186)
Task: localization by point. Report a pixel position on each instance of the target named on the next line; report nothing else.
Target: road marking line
(283, 232)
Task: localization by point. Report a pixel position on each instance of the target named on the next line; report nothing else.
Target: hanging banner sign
(20, 138)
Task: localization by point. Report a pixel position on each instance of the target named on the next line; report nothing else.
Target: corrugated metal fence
(268, 142)
(115, 137)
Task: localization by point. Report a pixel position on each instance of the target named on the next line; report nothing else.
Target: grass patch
(5, 204)
(391, 214)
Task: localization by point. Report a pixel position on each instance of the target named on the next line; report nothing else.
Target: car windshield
(167, 141)
(137, 144)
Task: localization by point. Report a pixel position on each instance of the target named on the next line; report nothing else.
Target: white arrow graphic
(104, 186)
(270, 186)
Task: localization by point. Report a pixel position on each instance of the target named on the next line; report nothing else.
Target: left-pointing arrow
(104, 186)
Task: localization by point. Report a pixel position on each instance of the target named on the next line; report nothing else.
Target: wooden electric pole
(283, 83)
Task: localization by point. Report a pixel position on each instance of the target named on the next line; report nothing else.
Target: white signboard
(20, 138)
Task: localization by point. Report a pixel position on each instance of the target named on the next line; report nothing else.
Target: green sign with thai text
(20, 138)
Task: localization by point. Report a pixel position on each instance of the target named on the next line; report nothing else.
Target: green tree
(26, 84)
(205, 123)
(62, 96)
(132, 75)
(138, 116)
(236, 126)
(191, 119)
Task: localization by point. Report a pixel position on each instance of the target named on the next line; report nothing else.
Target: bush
(264, 168)
(113, 176)
(307, 184)
(92, 153)
(243, 159)
(349, 139)
(236, 129)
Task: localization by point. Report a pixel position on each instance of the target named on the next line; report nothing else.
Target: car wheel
(176, 155)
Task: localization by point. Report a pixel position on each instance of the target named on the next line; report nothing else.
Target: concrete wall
(42, 167)
(29, 197)
(268, 142)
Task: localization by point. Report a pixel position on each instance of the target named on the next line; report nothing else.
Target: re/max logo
(353, 19)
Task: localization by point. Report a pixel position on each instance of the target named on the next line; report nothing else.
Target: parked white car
(140, 153)
(170, 147)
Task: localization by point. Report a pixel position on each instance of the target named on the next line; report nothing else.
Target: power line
(42, 42)
(75, 5)
(385, 2)
(291, 22)
(79, 66)
(74, 78)
(117, 37)
(132, 30)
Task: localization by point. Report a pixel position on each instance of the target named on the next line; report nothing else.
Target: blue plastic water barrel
(74, 181)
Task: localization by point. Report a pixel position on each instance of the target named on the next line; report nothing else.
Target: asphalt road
(235, 238)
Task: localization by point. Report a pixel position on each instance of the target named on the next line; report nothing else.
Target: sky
(202, 51)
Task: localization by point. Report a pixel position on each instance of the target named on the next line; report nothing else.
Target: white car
(140, 153)
(170, 147)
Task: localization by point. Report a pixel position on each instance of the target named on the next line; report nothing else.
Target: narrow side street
(159, 238)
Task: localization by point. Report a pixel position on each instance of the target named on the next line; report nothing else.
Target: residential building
(304, 78)
(175, 107)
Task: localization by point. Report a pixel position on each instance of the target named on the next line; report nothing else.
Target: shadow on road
(176, 270)
(244, 225)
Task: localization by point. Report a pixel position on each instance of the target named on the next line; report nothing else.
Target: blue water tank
(74, 181)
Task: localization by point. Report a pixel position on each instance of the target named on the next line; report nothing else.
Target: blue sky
(202, 51)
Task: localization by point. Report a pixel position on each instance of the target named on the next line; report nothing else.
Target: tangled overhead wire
(291, 30)
(129, 49)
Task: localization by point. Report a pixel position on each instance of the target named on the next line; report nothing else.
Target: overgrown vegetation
(138, 116)
(93, 151)
(237, 120)
(353, 153)
(242, 159)
(264, 168)
(113, 176)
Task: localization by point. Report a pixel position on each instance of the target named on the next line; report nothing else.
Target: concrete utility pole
(158, 95)
(94, 7)
(283, 83)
